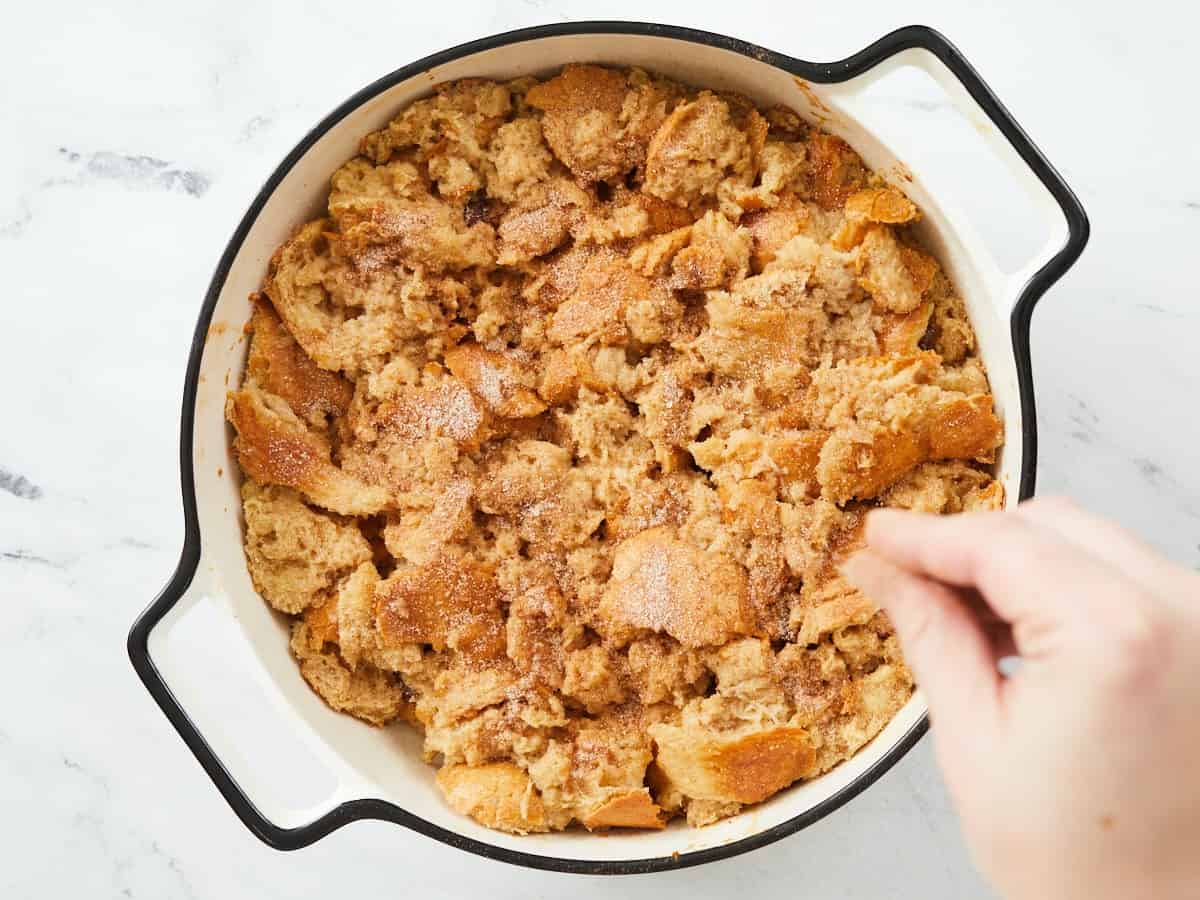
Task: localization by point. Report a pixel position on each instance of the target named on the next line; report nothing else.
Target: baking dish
(208, 622)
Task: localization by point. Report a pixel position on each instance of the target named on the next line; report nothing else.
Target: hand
(1077, 776)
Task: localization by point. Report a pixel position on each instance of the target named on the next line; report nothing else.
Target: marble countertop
(134, 137)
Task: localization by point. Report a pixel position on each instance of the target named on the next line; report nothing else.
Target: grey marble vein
(98, 780)
(1151, 307)
(135, 171)
(1084, 411)
(136, 543)
(16, 226)
(1150, 470)
(1159, 478)
(19, 485)
(174, 866)
(254, 126)
(131, 171)
(24, 556)
(1084, 420)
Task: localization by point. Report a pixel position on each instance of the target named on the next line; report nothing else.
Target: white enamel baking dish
(214, 656)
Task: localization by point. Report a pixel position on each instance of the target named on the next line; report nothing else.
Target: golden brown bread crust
(598, 121)
(498, 795)
(449, 602)
(662, 584)
(278, 363)
(635, 809)
(884, 205)
(833, 172)
(558, 423)
(734, 768)
(274, 447)
(888, 415)
(698, 147)
(896, 275)
(503, 382)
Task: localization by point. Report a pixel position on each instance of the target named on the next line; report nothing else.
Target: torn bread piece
(737, 766)
(881, 205)
(497, 795)
(662, 584)
(598, 120)
(296, 555)
(281, 366)
(889, 414)
(274, 446)
(366, 693)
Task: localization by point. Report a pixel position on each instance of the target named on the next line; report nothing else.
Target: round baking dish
(367, 776)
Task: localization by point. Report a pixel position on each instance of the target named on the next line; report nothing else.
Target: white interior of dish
(224, 653)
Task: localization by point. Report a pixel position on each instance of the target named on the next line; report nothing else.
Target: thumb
(944, 645)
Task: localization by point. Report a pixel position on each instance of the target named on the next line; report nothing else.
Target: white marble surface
(134, 136)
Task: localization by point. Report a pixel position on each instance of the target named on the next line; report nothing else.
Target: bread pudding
(556, 427)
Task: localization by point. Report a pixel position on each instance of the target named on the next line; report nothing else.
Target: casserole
(355, 773)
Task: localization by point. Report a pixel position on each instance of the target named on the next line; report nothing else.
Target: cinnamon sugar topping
(557, 424)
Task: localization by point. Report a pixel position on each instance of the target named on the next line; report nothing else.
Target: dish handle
(924, 48)
(173, 617)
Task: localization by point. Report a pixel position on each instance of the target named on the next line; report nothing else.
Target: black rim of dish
(914, 36)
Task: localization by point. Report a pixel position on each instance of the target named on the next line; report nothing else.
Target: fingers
(1019, 568)
(1092, 534)
(944, 645)
(999, 633)
(955, 549)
